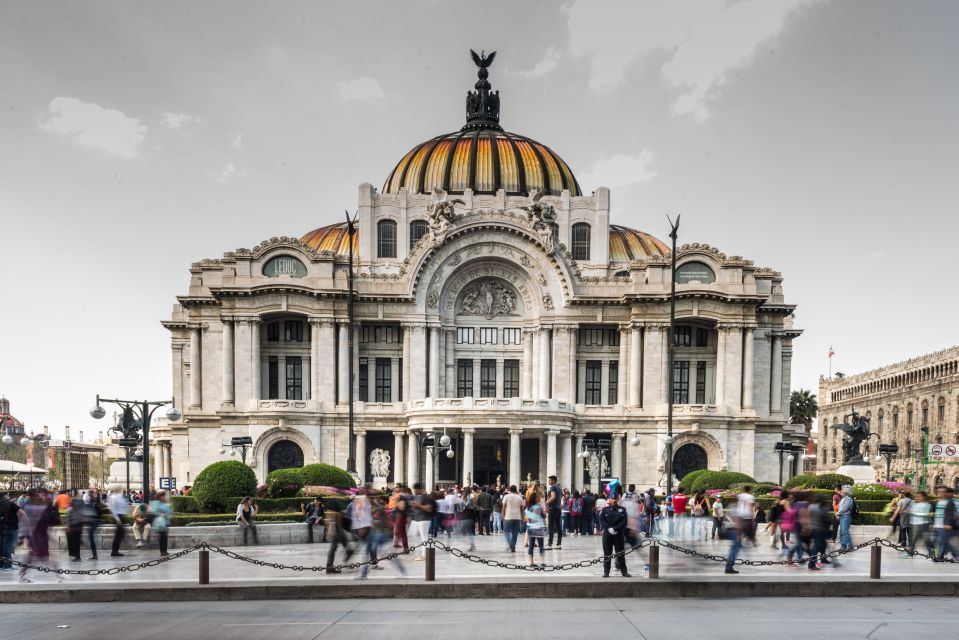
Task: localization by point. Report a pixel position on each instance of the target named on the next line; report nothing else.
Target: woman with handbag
(245, 514)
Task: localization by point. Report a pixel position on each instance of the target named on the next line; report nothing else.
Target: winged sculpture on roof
(440, 215)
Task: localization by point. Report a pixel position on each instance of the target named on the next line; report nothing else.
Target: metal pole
(674, 232)
(127, 449)
(780, 467)
(204, 566)
(875, 562)
(430, 564)
(654, 562)
(145, 419)
(351, 459)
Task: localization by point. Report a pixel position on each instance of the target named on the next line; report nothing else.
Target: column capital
(516, 432)
(322, 322)
(414, 326)
(359, 432)
(552, 432)
(729, 326)
(469, 430)
(227, 318)
(400, 433)
(619, 434)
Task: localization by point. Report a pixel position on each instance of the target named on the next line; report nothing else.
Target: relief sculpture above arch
(487, 298)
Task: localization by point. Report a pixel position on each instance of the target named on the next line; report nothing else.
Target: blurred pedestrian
(162, 514)
(919, 518)
(844, 514)
(380, 532)
(946, 524)
(76, 518)
(746, 513)
(119, 507)
(423, 507)
(900, 517)
(10, 514)
(554, 511)
(512, 516)
(535, 526)
(38, 516)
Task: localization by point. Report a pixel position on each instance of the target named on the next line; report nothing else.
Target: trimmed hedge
(184, 504)
(688, 479)
(219, 481)
(800, 480)
(829, 481)
(284, 483)
(718, 480)
(326, 475)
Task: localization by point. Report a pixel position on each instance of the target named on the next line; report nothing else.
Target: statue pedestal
(117, 480)
(860, 473)
(379, 482)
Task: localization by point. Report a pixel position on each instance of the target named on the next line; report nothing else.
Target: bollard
(654, 561)
(875, 562)
(204, 566)
(430, 564)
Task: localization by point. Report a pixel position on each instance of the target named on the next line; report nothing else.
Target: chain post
(654, 562)
(204, 571)
(430, 564)
(875, 562)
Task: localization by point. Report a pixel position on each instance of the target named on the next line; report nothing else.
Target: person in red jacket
(680, 524)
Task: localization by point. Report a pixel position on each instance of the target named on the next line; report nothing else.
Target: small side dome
(626, 245)
(334, 237)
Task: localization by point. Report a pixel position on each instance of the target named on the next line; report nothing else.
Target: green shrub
(217, 482)
(799, 481)
(184, 504)
(326, 475)
(717, 480)
(688, 479)
(871, 491)
(284, 483)
(829, 481)
(758, 489)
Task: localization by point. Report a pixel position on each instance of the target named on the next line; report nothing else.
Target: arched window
(581, 241)
(940, 480)
(908, 447)
(925, 414)
(834, 455)
(941, 412)
(879, 422)
(385, 239)
(895, 418)
(909, 415)
(417, 230)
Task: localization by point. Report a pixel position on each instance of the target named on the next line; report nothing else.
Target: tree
(803, 407)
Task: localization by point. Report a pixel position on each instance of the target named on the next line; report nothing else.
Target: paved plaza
(599, 618)
(575, 549)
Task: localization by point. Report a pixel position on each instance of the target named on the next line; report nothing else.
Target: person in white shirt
(746, 514)
(118, 505)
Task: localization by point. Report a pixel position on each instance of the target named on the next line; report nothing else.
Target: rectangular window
(681, 382)
(293, 331)
(511, 378)
(613, 395)
(512, 336)
(612, 337)
(487, 378)
(464, 378)
(700, 382)
(591, 337)
(909, 418)
(384, 381)
(487, 335)
(702, 337)
(366, 334)
(941, 416)
(294, 377)
(364, 380)
(272, 331)
(895, 420)
(385, 333)
(399, 383)
(594, 382)
(925, 417)
(464, 335)
(683, 336)
(273, 384)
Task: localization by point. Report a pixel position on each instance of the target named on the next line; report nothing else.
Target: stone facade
(899, 400)
(514, 317)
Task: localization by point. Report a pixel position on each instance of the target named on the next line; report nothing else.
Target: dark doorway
(285, 454)
(529, 462)
(688, 458)
(489, 460)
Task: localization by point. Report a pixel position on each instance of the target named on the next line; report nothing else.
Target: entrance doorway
(490, 459)
(688, 458)
(285, 454)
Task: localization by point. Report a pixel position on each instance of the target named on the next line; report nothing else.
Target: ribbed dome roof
(481, 156)
(334, 238)
(627, 244)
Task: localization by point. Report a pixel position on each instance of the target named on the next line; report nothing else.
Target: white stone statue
(380, 463)
(605, 466)
(542, 219)
(593, 464)
(440, 215)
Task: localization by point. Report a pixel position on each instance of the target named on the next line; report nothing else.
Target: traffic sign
(944, 451)
(167, 483)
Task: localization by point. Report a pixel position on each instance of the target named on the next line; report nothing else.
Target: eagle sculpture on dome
(440, 215)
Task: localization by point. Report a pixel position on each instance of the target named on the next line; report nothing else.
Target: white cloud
(228, 172)
(178, 120)
(549, 62)
(236, 141)
(90, 125)
(706, 40)
(361, 90)
(619, 170)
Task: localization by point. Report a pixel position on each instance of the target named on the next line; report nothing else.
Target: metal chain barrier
(112, 571)
(928, 556)
(318, 568)
(582, 564)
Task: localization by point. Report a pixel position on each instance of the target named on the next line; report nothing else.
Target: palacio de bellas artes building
(495, 303)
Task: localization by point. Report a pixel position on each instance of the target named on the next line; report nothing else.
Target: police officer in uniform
(613, 520)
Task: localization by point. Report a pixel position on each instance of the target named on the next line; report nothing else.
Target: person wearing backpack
(10, 513)
(576, 512)
(845, 513)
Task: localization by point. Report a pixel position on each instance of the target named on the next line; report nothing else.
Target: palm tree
(803, 407)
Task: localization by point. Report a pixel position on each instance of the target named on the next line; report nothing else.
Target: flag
(831, 352)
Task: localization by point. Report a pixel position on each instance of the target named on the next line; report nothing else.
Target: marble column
(499, 378)
(434, 371)
(429, 478)
(468, 456)
(255, 364)
(526, 380)
(748, 369)
(399, 466)
(623, 380)
(360, 455)
(566, 460)
(577, 463)
(543, 392)
(551, 452)
(168, 455)
(196, 369)
(343, 364)
(776, 398)
(407, 335)
(315, 360)
(449, 360)
(413, 460)
(617, 454)
(514, 457)
(228, 368)
(326, 356)
(418, 363)
(635, 366)
(721, 367)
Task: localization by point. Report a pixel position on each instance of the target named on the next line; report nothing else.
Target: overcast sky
(817, 138)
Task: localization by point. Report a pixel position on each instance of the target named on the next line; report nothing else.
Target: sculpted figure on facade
(487, 298)
(380, 463)
(440, 215)
(542, 219)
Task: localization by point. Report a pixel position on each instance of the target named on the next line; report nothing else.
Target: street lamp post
(238, 443)
(433, 442)
(887, 451)
(145, 410)
(786, 451)
(671, 342)
(351, 456)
